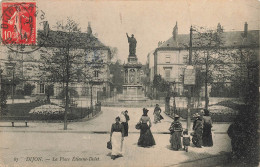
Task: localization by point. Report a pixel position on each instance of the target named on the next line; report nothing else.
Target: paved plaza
(84, 144)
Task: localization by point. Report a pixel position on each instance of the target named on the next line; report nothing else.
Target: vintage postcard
(129, 83)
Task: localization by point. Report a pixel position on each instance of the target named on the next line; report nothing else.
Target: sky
(150, 21)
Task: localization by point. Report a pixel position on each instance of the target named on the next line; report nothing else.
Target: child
(186, 139)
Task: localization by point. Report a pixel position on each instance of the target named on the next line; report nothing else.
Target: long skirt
(175, 141)
(157, 117)
(207, 135)
(197, 138)
(146, 137)
(117, 143)
(125, 124)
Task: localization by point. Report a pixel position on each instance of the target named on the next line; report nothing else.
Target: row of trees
(67, 61)
(222, 64)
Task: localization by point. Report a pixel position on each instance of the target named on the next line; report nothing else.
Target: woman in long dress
(123, 122)
(117, 138)
(157, 113)
(176, 133)
(126, 125)
(207, 125)
(198, 130)
(146, 137)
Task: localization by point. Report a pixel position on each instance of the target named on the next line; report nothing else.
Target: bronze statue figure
(132, 45)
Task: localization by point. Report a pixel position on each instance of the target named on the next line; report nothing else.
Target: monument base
(132, 93)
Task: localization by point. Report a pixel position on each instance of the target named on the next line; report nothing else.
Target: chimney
(245, 29)
(175, 32)
(159, 43)
(89, 30)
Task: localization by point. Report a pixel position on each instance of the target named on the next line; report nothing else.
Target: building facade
(171, 57)
(93, 63)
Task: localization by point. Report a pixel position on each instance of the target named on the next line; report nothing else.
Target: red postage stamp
(19, 23)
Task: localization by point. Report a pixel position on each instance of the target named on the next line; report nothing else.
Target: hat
(126, 111)
(196, 115)
(206, 111)
(176, 116)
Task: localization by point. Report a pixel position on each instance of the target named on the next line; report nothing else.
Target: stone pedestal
(132, 88)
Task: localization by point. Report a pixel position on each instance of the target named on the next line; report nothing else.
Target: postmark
(19, 26)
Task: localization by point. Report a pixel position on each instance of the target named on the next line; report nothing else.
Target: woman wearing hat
(124, 117)
(207, 125)
(117, 138)
(195, 117)
(146, 137)
(176, 132)
(157, 114)
(198, 130)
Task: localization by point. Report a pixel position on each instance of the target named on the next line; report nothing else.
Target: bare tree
(70, 58)
(209, 56)
(244, 70)
(58, 65)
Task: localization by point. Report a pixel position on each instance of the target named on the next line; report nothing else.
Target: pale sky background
(150, 21)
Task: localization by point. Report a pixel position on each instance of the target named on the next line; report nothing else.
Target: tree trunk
(66, 91)
(91, 96)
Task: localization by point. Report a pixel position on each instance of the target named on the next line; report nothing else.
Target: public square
(87, 139)
(73, 72)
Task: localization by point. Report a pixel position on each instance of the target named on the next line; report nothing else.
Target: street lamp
(173, 94)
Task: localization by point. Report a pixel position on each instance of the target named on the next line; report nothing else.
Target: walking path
(88, 138)
(102, 123)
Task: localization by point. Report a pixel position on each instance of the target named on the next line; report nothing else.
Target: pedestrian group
(201, 136)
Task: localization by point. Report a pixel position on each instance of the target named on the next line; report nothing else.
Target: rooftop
(74, 39)
(229, 39)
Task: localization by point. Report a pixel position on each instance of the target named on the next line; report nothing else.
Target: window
(96, 74)
(41, 88)
(85, 91)
(185, 59)
(167, 73)
(167, 59)
(9, 72)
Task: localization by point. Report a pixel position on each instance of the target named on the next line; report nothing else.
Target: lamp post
(173, 87)
(189, 83)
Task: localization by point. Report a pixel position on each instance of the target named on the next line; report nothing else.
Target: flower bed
(19, 110)
(47, 109)
(222, 114)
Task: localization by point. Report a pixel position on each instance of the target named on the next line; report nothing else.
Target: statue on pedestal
(132, 45)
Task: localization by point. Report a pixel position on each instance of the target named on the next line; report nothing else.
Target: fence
(86, 112)
(18, 111)
(216, 117)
